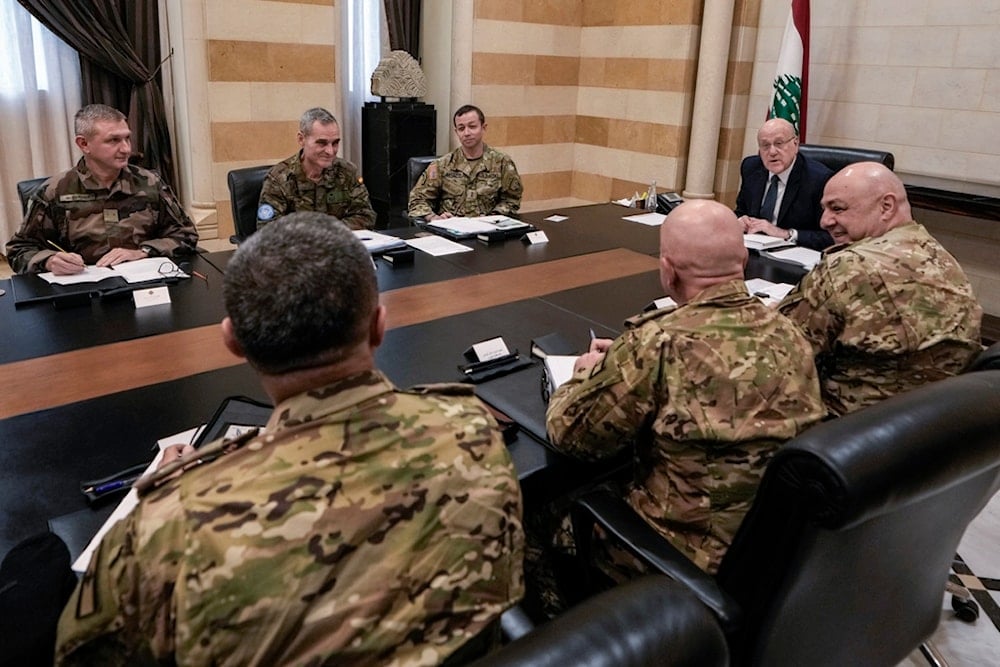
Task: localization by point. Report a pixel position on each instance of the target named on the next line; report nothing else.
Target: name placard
(152, 296)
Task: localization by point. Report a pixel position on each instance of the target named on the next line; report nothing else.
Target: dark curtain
(403, 18)
(119, 46)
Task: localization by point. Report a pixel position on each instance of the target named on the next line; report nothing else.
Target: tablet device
(235, 416)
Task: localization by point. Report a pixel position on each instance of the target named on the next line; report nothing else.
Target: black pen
(477, 366)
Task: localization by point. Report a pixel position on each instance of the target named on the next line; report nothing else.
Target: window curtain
(39, 93)
(362, 26)
(118, 39)
(403, 21)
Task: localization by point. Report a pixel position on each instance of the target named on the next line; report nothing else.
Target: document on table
(437, 245)
(805, 257)
(129, 502)
(377, 242)
(138, 271)
(762, 241)
(558, 369)
(461, 227)
(649, 219)
(770, 292)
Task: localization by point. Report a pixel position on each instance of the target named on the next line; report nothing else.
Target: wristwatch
(148, 249)
(793, 236)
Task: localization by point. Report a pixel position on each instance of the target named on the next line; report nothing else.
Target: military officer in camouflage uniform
(315, 179)
(703, 393)
(103, 211)
(887, 309)
(472, 180)
(365, 526)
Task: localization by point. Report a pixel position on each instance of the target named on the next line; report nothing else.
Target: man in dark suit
(792, 212)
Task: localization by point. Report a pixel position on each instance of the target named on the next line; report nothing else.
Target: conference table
(89, 390)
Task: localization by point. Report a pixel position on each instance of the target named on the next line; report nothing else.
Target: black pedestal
(392, 133)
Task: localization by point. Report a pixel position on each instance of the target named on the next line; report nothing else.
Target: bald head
(864, 200)
(701, 245)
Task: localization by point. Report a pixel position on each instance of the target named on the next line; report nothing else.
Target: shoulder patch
(445, 388)
(265, 212)
(642, 318)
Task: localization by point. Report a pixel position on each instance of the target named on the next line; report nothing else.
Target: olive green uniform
(454, 184)
(74, 212)
(339, 192)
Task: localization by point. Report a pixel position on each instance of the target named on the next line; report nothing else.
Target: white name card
(152, 296)
(490, 349)
(536, 237)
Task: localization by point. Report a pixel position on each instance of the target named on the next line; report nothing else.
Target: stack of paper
(558, 369)
(798, 255)
(138, 271)
(761, 241)
(463, 228)
(376, 242)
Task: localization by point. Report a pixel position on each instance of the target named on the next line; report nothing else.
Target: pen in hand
(67, 262)
(56, 246)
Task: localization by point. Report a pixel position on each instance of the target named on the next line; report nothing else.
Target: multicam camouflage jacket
(74, 212)
(704, 394)
(453, 184)
(340, 192)
(366, 526)
(885, 315)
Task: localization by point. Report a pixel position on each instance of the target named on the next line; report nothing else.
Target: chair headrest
(838, 157)
(898, 451)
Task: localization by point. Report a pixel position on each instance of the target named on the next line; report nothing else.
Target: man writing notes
(366, 526)
(472, 180)
(703, 393)
(103, 211)
(315, 179)
(780, 189)
(887, 309)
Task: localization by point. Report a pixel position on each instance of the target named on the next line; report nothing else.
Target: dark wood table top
(88, 393)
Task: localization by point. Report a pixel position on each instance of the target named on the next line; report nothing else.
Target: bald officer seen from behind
(702, 394)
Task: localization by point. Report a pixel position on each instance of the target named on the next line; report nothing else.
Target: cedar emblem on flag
(791, 80)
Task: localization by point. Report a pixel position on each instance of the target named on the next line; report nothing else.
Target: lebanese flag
(791, 80)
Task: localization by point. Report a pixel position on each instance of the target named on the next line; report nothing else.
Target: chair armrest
(515, 623)
(623, 524)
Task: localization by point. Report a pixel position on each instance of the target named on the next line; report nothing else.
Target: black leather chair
(244, 194)
(987, 360)
(838, 157)
(26, 188)
(415, 166)
(843, 556)
(648, 621)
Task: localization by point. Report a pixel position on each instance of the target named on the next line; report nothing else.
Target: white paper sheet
(649, 219)
(437, 245)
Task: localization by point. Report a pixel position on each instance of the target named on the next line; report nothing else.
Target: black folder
(29, 288)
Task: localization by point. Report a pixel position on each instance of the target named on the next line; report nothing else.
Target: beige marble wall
(260, 64)
(592, 99)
